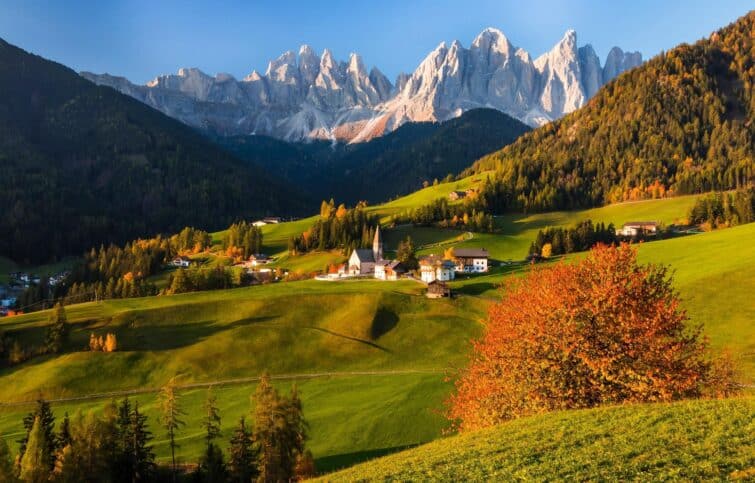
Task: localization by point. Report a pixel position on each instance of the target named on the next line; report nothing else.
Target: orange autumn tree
(599, 331)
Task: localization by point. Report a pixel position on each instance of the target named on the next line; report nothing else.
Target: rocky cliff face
(304, 96)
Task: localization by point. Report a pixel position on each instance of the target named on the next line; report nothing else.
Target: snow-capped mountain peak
(305, 96)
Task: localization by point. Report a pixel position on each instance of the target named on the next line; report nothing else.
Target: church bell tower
(377, 245)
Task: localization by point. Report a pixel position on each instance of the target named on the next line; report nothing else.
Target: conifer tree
(47, 421)
(242, 464)
(35, 467)
(280, 431)
(7, 471)
(64, 435)
(57, 331)
(142, 457)
(171, 413)
(212, 466)
(211, 422)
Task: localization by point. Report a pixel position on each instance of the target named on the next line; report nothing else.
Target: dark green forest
(83, 165)
(681, 123)
(383, 168)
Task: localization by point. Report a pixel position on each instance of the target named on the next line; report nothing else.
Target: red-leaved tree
(602, 330)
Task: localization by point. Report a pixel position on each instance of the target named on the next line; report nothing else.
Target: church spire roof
(377, 245)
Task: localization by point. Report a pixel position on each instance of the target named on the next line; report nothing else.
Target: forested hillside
(395, 164)
(681, 123)
(82, 165)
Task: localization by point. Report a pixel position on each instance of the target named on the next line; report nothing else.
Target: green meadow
(370, 358)
(686, 441)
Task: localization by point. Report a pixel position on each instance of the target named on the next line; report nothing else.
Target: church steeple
(377, 245)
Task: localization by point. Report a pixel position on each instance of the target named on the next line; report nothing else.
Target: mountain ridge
(304, 97)
(84, 165)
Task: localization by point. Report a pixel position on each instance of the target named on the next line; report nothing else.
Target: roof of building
(365, 255)
(434, 261)
(390, 264)
(641, 223)
(471, 252)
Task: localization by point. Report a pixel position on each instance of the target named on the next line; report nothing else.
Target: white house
(388, 270)
(182, 262)
(471, 260)
(433, 267)
(259, 259)
(634, 228)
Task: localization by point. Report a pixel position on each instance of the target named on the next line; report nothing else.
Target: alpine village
(495, 264)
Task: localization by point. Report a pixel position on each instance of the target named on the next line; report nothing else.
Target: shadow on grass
(384, 320)
(348, 337)
(328, 464)
(175, 336)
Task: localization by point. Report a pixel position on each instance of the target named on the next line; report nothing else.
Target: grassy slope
(691, 441)
(351, 418)
(291, 328)
(282, 328)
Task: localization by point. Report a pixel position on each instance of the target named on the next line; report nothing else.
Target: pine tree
(171, 413)
(47, 421)
(142, 457)
(57, 330)
(212, 466)
(123, 458)
(35, 467)
(7, 471)
(269, 420)
(280, 431)
(242, 463)
(211, 423)
(64, 435)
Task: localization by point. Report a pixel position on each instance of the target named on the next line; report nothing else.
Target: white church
(370, 261)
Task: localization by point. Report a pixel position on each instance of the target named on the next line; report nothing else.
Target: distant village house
(181, 262)
(437, 289)
(456, 195)
(634, 228)
(434, 267)
(471, 260)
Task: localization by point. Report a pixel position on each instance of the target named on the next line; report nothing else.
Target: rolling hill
(689, 441)
(83, 165)
(385, 167)
(683, 122)
(381, 349)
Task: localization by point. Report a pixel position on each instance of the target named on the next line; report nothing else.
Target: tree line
(123, 271)
(337, 227)
(244, 239)
(581, 237)
(469, 215)
(724, 209)
(116, 444)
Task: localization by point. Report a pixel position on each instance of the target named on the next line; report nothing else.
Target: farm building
(433, 267)
(437, 289)
(634, 228)
(471, 260)
(388, 270)
(181, 261)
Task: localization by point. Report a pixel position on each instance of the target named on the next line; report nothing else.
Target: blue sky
(140, 39)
